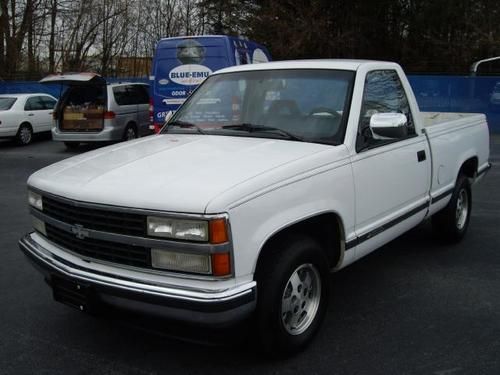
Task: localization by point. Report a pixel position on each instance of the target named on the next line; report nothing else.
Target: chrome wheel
(25, 135)
(301, 298)
(451, 223)
(462, 209)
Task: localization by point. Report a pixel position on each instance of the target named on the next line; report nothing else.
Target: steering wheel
(319, 111)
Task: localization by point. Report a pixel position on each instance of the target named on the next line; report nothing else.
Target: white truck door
(391, 174)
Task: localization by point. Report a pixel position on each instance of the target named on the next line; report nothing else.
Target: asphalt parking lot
(413, 307)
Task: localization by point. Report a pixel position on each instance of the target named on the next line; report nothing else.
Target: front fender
(256, 220)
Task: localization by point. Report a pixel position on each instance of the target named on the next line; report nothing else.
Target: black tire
(130, 133)
(451, 223)
(298, 256)
(72, 145)
(24, 134)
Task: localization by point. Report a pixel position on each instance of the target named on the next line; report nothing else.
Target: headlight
(35, 200)
(218, 264)
(192, 230)
(39, 225)
(173, 261)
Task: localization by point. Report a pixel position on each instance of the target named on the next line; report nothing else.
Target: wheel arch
(469, 167)
(327, 228)
(132, 124)
(25, 122)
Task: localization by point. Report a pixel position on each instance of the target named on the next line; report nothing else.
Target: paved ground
(413, 307)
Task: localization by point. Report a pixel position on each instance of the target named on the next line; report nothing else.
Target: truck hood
(172, 172)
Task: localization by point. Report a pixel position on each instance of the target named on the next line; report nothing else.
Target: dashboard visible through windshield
(307, 105)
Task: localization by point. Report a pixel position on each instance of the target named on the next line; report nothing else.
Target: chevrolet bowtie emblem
(79, 231)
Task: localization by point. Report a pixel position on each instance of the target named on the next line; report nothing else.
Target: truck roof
(340, 64)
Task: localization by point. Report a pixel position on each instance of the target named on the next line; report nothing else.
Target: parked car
(91, 110)
(22, 115)
(240, 210)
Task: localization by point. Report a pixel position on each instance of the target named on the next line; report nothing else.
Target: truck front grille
(76, 213)
(97, 219)
(130, 255)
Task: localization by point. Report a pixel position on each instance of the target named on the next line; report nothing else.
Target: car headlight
(38, 225)
(174, 261)
(35, 200)
(191, 230)
(213, 230)
(218, 264)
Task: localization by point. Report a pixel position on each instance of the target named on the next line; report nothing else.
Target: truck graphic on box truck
(180, 64)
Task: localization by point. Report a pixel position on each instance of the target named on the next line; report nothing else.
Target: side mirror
(388, 126)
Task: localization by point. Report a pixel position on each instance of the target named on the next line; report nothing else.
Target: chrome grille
(131, 255)
(97, 219)
(88, 217)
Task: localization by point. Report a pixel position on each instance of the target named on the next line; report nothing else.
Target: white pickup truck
(267, 179)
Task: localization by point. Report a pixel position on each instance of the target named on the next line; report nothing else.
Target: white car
(268, 178)
(22, 115)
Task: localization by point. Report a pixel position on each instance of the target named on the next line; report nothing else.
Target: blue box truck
(180, 64)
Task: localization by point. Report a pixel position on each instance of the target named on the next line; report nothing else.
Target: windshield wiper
(263, 128)
(185, 124)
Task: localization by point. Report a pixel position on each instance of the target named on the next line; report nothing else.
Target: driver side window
(383, 93)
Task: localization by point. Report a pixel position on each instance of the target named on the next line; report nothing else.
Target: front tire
(293, 291)
(451, 223)
(24, 135)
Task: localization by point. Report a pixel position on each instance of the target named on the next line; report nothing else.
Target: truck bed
(435, 118)
(454, 138)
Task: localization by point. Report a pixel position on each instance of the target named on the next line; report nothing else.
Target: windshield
(6, 103)
(302, 104)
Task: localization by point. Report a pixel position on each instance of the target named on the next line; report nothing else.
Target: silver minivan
(92, 110)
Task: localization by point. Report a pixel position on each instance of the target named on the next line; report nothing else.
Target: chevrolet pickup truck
(270, 177)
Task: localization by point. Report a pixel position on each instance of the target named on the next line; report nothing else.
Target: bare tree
(53, 9)
(14, 23)
(114, 32)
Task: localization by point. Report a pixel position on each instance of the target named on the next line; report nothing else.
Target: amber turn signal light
(221, 264)
(218, 231)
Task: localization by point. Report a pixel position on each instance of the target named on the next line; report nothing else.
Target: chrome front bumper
(200, 306)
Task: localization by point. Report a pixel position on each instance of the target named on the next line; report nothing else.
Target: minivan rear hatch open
(82, 107)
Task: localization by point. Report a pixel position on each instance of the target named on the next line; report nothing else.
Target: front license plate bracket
(72, 293)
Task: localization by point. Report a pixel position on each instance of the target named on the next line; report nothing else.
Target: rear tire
(130, 133)
(293, 291)
(24, 135)
(72, 145)
(451, 223)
